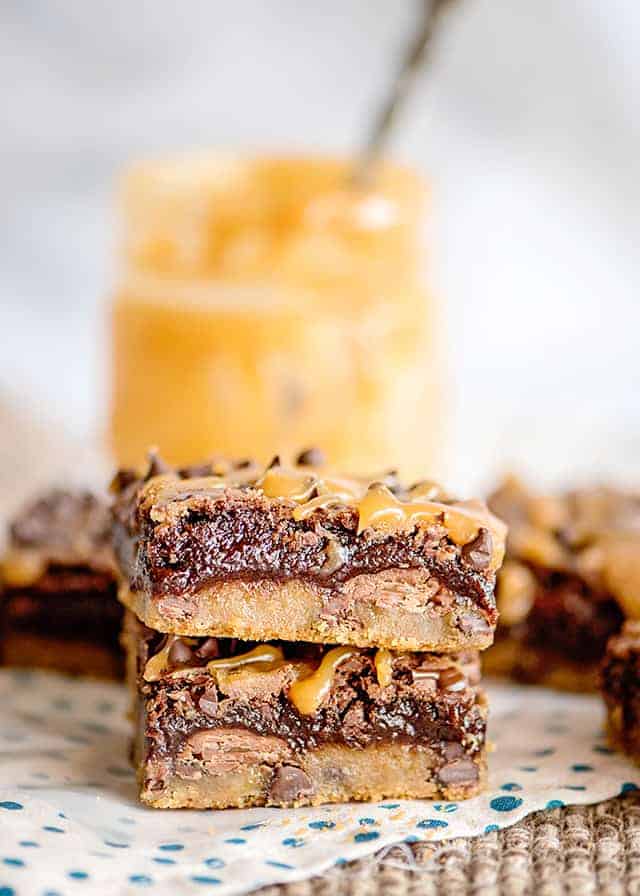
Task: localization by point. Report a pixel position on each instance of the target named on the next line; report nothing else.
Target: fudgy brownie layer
(569, 577)
(176, 536)
(620, 685)
(306, 698)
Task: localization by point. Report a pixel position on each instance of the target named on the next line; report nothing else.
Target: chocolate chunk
(478, 552)
(179, 653)
(157, 466)
(208, 702)
(289, 784)
(462, 771)
(312, 457)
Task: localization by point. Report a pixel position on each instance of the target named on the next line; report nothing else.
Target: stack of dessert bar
(295, 637)
(58, 606)
(569, 579)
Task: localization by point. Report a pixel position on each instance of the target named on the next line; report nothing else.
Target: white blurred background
(527, 125)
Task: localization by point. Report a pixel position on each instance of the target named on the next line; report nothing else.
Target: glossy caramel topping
(265, 656)
(22, 567)
(384, 666)
(381, 505)
(307, 694)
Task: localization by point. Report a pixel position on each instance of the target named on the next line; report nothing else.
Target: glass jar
(266, 305)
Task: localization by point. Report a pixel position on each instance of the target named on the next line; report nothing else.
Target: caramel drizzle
(307, 694)
(266, 656)
(159, 664)
(384, 666)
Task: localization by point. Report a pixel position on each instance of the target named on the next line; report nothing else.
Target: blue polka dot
(505, 803)
(9, 804)
(294, 842)
(119, 771)
(628, 787)
(528, 768)
(548, 751)
(389, 806)
(28, 843)
(116, 845)
(321, 825)
(214, 863)
(445, 807)
(252, 827)
(575, 787)
(203, 879)
(77, 875)
(364, 836)
(96, 728)
(53, 829)
(432, 823)
(13, 863)
(171, 847)
(490, 828)
(282, 865)
(340, 862)
(555, 804)
(511, 785)
(161, 860)
(605, 751)
(365, 821)
(411, 838)
(141, 879)
(7, 891)
(581, 767)
(236, 841)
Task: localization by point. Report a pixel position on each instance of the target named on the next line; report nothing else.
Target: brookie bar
(620, 685)
(570, 576)
(58, 602)
(223, 723)
(300, 554)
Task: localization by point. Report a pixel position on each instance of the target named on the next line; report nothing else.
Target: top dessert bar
(300, 554)
(570, 577)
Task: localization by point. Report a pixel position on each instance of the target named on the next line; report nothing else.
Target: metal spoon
(387, 114)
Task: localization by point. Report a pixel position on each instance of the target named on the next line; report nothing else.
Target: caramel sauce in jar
(263, 305)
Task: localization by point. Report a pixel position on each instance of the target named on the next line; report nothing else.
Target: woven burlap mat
(576, 850)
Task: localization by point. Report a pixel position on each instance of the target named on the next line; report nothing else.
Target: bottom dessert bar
(620, 684)
(67, 620)
(223, 723)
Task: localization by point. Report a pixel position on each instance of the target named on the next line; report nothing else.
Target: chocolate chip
(179, 653)
(311, 457)
(462, 771)
(195, 470)
(208, 702)
(157, 467)
(122, 480)
(208, 650)
(478, 552)
(289, 784)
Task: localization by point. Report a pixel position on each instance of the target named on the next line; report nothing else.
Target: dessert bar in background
(224, 723)
(299, 553)
(58, 603)
(620, 685)
(570, 577)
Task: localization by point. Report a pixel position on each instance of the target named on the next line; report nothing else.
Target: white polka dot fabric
(70, 824)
